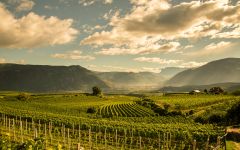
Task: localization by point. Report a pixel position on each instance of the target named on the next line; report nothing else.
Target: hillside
(39, 78)
(131, 80)
(229, 87)
(169, 72)
(219, 71)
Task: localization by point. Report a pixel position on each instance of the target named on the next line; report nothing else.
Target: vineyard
(62, 122)
(124, 110)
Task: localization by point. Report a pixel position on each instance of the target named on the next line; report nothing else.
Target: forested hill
(42, 78)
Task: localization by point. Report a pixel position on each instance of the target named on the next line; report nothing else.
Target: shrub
(160, 111)
(23, 97)
(191, 112)
(199, 119)
(215, 118)
(176, 113)
(236, 93)
(91, 110)
(232, 115)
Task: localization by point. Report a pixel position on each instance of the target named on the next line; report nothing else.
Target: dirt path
(235, 130)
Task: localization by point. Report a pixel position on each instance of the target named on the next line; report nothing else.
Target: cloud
(50, 7)
(177, 63)
(232, 34)
(110, 68)
(21, 61)
(74, 55)
(192, 64)
(164, 22)
(2, 60)
(25, 5)
(147, 49)
(108, 1)
(91, 2)
(90, 29)
(212, 49)
(157, 60)
(33, 30)
(213, 46)
(108, 15)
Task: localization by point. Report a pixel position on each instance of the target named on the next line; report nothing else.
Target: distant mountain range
(219, 71)
(169, 72)
(131, 80)
(43, 78)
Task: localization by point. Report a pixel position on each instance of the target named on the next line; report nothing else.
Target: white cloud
(177, 63)
(90, 29)
(91, 2)
(2, 60)
(74, 55)
(222, 44)
(147, 49)
(50, 7)
(108, 1)
(33, 30)
(157, 60)
(161, 21)
(211, 49)
(25, 5)
(192, 64)
(108, 15)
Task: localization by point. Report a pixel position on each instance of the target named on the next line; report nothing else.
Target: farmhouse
(195, 92)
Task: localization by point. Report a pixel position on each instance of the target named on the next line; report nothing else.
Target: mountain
(41, 78)
(131, 80)
(169, 72)
(219, 71)
(229, 87)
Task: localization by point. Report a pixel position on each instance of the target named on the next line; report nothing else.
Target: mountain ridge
(218, 71)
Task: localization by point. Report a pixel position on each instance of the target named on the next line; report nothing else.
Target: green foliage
(162, 110)
(205, 91)
(236, 93)
(125, 114)
(23, 97)
(91, 110)
(216, 118)
(232, 116)
(96, 91)
(216, 90)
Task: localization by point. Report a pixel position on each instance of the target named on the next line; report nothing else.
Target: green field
(61, 120)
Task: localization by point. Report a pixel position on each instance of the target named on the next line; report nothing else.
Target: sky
(119, 35)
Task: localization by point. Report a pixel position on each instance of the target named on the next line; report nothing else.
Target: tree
(96, 91)
(232, 115)
(205, 91)
(23, 97)
(216, 90)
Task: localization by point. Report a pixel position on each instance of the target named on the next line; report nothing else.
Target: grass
(233, 145)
